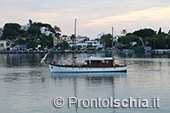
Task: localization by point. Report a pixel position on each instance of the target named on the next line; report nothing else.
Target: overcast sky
(94, 16)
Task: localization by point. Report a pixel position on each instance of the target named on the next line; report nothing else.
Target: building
(57, 41)
(3, 44)
(64, 37)
(81, 38)
(100, 35)
(60, 39)
(95, 44)
(123, 32)
(116, 38)
(45, 30)
(86, 44)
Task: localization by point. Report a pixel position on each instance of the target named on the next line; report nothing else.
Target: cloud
(152, 14)
(90, 13)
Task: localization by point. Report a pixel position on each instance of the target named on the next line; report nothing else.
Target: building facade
(86, 44)
(60, 40)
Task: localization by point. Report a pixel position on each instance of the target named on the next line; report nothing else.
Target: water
(26, 86)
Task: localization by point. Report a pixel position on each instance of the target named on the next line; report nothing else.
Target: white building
(100, 35)
(85, 44)
(66, 38)
(25, 27)
(123, 32)
(45, 31)
(60, 39)
(117, 37)
(81, 38)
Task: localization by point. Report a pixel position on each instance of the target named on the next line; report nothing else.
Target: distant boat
(91, 65)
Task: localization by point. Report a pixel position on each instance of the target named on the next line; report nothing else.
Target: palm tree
(57, 29)
(30, 21)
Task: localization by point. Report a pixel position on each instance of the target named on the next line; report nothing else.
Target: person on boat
(55, 63)
(59, 62)
(69, 63)
(74, 63)
(65, 62)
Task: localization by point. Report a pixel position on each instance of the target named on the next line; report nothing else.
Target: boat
(91, 65)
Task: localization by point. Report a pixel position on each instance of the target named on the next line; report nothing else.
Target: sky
(93, 16)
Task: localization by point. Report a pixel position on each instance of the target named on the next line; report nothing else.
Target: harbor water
(26, 86)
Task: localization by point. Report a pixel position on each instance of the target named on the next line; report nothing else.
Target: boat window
(107, 61)
(103, 61)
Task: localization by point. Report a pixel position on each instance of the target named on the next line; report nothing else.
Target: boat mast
(113, 46)
(75, 39)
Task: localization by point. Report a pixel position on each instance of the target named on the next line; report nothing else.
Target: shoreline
(32, 52)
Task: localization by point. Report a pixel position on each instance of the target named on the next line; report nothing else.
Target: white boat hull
(57, 69)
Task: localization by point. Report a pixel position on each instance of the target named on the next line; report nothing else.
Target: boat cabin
(99, 62)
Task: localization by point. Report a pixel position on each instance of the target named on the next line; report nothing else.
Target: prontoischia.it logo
(108, 103)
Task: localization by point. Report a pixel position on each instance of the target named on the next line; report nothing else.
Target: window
(2, 45)
(107, 61)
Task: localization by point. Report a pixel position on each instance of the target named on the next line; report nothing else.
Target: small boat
(91, 65)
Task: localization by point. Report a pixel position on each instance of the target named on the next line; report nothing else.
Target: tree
(168, 42)
(72, 37)
(34, 30)
(128, 39)
(63, 45)
(87, 39)
(160, 31)
(46, 41)
(57, 29)
(21, 42)
(11, 30)
(144, 33)
(57, 35)
(30, 21)
(169, 32)
(107, 40)
(64, 36)
(32, 44)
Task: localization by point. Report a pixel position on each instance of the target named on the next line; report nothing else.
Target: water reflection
(86, 85)
(96, 79)
(87, 75)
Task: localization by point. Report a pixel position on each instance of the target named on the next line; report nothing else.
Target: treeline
(32, 36)
(158, 40)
